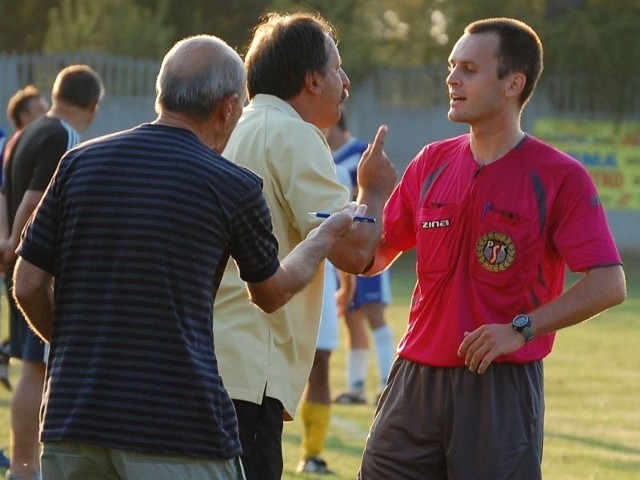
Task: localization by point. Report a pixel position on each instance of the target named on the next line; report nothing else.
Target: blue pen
(357, 218)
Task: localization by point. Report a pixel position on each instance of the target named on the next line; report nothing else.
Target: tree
(119, 27)
(371, 33)
(23, 24)
(231, 20)
(406, 33)
(597, 44)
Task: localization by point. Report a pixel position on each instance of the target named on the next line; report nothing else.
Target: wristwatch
(522, 324)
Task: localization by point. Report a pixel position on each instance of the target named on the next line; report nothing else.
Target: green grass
(592, 424)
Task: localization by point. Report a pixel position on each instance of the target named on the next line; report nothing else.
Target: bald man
(137, 228)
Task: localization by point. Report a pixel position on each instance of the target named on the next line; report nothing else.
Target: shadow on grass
(290, 437)
(594, 443)
(343, 448)
(333, 444)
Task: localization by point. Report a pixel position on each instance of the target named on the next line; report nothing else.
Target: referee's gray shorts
(452, 424)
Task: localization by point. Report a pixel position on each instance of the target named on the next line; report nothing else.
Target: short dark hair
(78, 85)
(519, 50)
(19, 103)
(283, 50)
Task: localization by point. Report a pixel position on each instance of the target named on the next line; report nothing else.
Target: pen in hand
(357, 218)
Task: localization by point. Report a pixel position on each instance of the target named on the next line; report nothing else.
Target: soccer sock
(315, 421)
(385, 352)
(357, 364)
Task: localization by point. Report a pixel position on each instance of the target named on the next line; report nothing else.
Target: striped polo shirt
(137, 228)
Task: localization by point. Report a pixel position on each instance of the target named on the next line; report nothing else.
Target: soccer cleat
(314, 465)
(350, 398)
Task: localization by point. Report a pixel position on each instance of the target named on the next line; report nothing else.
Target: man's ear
(226, 108)
(312, 81)
(93, 106)
(515, 86)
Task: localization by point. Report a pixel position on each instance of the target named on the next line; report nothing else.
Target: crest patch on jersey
(495, 251)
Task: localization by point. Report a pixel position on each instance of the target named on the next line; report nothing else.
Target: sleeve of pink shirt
(401, 209)
(581, 232)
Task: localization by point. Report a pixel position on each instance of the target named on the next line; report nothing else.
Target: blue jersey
(349, 155)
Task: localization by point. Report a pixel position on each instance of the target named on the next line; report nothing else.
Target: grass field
(592, 424)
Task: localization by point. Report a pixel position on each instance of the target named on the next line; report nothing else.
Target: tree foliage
(596, 39)
(23, 24)
(119, 27)
(231, 20)
(598, 44)
(406, 33)
(591, 36)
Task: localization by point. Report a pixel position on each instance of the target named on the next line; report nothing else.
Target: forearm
(33, 293)
(376, 179)
(303, 262)
(4, 221)
(39, 313)
(301, 265)
(598, 290)
(28, 204)
(355, 252)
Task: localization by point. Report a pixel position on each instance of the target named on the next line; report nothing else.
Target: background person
(33, 158)
(372, 294)
(315, 407)
(296, 85)
(25, 106)
(135, 228)
(496, 216)
(3, 139)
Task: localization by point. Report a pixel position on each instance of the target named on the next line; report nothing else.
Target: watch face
(520, 321)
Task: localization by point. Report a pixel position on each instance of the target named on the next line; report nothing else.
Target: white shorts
(328, 331)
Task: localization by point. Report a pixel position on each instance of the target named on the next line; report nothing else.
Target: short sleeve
(306, 174)
(254, 247)
(581, 232)
(399, 229)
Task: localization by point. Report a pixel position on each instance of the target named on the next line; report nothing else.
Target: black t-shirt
(35, 158)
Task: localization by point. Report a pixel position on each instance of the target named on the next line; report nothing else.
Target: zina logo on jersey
(427, 224)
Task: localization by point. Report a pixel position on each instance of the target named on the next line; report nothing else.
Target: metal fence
(595, 95)
(122, 76)
(413, 103)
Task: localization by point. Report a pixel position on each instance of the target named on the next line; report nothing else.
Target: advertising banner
(610, 151)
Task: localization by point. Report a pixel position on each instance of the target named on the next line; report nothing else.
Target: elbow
(618, 287)
(23, 291)
(269, 304)
(268, 307)
(620, 294)
(357, 263)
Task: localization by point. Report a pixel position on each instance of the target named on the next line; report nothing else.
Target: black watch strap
(522, 324)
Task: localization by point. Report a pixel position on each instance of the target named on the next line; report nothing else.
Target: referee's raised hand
(375, 170)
